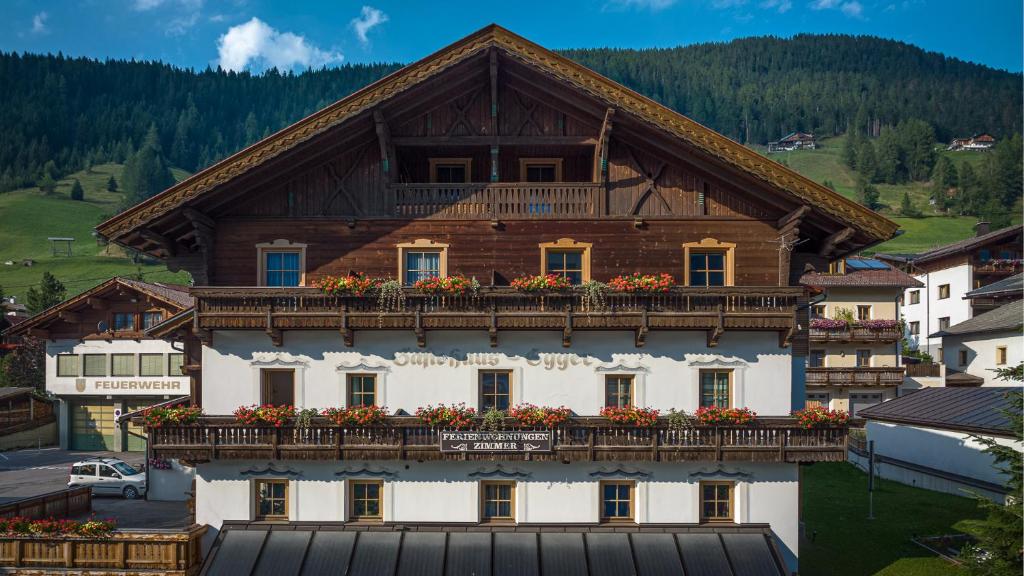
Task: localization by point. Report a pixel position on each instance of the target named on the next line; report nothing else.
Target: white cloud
(369, 18)
(723, 4)
(781, 6)
(824, 4)
(143, 5)
(179, 25)
(652, 5)
(255, 44)
(186, 13)
(851, 8)
(39, 23)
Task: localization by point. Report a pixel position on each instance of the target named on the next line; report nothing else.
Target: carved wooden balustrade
(856, 376)
(857, 334)
(587, 439)
(498, 200)
(714, 310)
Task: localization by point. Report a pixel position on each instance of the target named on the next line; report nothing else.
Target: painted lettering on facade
(457, 358)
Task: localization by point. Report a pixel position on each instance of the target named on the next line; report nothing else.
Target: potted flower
(631, 416)
(530, 415)
(276, 416)
(456, 416)
(352, 285)
(177, 415)
(828, 324)
(820, 417)
(638, 282)
(716, 416)
(541, 283)
(357, 415)
(457, 285)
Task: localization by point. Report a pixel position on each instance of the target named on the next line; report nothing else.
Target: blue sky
(256, 34)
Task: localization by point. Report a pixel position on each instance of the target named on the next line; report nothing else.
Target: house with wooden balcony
(855, 334)
(506, 285)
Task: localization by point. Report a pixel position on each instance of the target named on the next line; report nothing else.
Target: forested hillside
(79, 112)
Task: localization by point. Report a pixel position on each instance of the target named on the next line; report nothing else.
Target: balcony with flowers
(848, 330)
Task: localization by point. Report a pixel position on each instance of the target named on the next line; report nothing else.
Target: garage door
(859, 402)
(92, 425)
(136, 434)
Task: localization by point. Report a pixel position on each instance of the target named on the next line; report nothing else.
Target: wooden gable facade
(612, 170)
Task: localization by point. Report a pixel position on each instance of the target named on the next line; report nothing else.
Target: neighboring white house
(926, 439)
(948, 274)
(974, 349)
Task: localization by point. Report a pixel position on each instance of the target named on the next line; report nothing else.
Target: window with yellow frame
(708, 263)
(716, 501)
(497, 501)
(567, 258)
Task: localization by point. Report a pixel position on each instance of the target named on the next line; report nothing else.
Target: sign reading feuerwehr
(504, 441)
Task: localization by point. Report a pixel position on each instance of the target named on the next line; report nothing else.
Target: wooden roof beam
(387, 147)
(69, 316)
(97, 303)
(600, 173)
(829, 245)
(169, 246)
(793, 219)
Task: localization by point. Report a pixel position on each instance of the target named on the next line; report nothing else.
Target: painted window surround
(566, 244)
(426, 245)
(279, 245)
(727, 248)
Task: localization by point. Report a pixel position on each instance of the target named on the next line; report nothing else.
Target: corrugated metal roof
(977, 410)
(1006, 317)
(253, 549)
(1005, 287)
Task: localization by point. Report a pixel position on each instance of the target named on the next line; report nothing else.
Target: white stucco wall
(545, 491)
(666, 370)
(930, 308)
(159, 386)
(171, 485)
(953, 452)
(981, 354)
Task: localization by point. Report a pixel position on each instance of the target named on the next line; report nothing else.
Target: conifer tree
(146, 173)
(50, 292)
(111, 184)
(77, 193)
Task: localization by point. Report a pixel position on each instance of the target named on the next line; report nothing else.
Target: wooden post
(718, 444)
(69, 560)
(590, 443)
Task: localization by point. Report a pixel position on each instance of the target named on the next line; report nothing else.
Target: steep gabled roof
(977, 410)
(1003, 319)
(587, 81)
(961, 246)
(176, 297)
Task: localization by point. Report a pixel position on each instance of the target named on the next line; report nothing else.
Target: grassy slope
(835, 506)
(27, 218)
(825, 163)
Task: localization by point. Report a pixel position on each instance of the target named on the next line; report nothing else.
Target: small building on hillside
(924, 439)
(975, 349)
(854, 356)
(982, 141)
(793, 141)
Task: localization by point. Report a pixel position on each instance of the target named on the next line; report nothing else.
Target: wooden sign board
(501, 441)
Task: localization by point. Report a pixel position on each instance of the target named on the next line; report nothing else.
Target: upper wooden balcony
(856, 376)
(1002, 267)
(857, 334)
(498, 200)
(714, 310)
(581, 439)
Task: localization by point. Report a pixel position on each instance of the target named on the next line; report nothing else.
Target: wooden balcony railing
(493, 309)
(860, 376)
(497, 200)
(581, 439)
(1011, 266)
(167, 552)
(856, 334)
(924, 370)
(60, 504)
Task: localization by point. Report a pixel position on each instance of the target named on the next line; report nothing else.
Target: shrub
(530, 415)
(157, 417)
(265, 414)
(541, 283)
(456, 416)
(715, 416)
(448, 286)
(357, 415)
(631, 415)
(351, 285)
(493, 419)
(819, 416)
(638, 282)
(92, 528)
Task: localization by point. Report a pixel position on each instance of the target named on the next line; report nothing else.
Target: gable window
(365, 500)
(943, 322)
(915, 296)
(915, 328)
(1001, 355)
(281, 263)
(122, 365)
(124, 321)
(450, 170)
(271, 499)
(151, 364)
(716, 501)
(277, 386)
(175, 363)
(616, 501)
(863, 312)
(816, 359)
(567, 258)
(67, 365)
(95, 364)
(362, 390)
(618, 391)
(497, 501)
(540, 169)
(716, 388)
(495, 390)
(943, 291)
(421, 260)
(150, 319)
(863, 358)
(961, 357)
(708, 263)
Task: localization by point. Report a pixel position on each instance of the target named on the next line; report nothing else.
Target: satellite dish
(101, 326)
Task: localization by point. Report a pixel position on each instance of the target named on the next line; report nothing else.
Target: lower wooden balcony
(856, 334)
(859, 376)
(582, 439)
(494, 309)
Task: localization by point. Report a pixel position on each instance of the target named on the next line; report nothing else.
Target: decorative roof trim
(620, 472)
(366, 472)
(604, 89)
(271, 470)
(499, 471)
(709, 474)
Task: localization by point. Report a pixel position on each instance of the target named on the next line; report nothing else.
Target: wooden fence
(60, 504)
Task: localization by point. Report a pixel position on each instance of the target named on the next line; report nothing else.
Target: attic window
(450, 170)
(540, 169)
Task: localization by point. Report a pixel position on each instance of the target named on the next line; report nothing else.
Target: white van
(108, 476)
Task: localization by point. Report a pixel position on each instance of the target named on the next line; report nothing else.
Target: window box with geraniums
(542, 283)
(92, 528)
(715, 416)
(352, 285)
(276, 416)
(829, 324)
(456, 416)
(644, 283)
(357, 415)
(530, 415)
(457, 285)
(821, 417)
(177, 415)
(878, 325)
(631, 416)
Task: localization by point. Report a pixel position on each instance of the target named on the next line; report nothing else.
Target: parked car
(108, 476)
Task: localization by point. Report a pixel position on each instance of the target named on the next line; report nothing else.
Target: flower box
(631, 416)
(530, 415)
(542, 283)
(878, 324)
(456, 416)
(646, 283)
(357, 415)
(715, 416)
(829, 324)
(265, 414)
(92, 528)
(820, 417)
(457, 285)
(157, 417)
(351, 285)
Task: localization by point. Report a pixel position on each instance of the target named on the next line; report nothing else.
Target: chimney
(981, 228)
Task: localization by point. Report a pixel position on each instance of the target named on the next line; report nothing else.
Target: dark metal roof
(961, 246)
(978, 410)
(296, 549)
(1014, 285)
(1005, 318)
